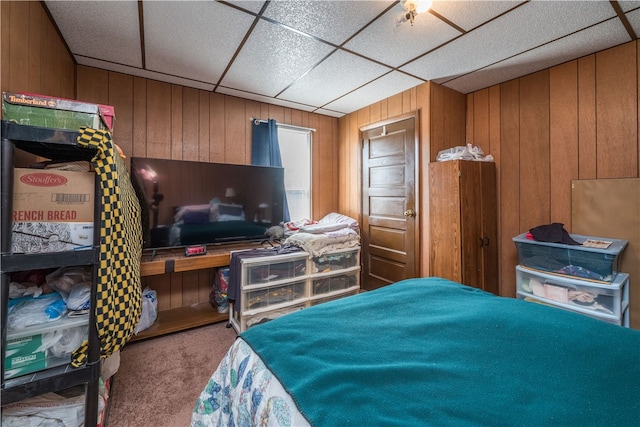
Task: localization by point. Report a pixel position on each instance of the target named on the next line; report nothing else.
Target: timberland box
(52, 210)
(49, 112)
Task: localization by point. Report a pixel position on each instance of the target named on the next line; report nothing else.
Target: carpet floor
(159, 379)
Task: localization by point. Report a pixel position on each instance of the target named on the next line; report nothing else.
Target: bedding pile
(331, 233)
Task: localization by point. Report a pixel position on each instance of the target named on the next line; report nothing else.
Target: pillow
(335, 217)
(192, 212)
(322, 228)
(230, 212)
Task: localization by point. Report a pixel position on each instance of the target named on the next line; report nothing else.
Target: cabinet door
(489, 228)
(471, 223)
(444, 213)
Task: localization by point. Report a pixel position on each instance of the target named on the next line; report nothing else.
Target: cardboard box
(107, 111)
(50, 112)
(52, 210)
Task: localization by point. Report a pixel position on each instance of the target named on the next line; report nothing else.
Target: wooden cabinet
(463, 224)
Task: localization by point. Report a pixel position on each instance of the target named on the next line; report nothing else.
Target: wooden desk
(175, 319)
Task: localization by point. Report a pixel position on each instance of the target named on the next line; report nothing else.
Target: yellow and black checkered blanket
(118, 294)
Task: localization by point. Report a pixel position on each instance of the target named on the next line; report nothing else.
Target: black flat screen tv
(189, 203)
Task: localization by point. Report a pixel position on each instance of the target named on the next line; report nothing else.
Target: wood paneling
(161, 120)
(578, 120)
(34, 59)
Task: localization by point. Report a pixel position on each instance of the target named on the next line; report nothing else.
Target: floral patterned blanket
(243, 392)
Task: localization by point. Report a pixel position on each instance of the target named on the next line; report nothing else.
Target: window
(295, 150)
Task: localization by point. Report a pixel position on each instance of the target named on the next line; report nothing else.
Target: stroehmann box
(52, 210)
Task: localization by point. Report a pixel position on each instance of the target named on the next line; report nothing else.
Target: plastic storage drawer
(43, 346)
(268, 270)
(334, 283)
(323, 299)
(273, 295)
(573, 260)
(333, 261)
(265, 316)
(595, 299)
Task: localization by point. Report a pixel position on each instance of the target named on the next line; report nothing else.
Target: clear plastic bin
(43, 346)
(606, 301)
(572, 260)
(274, 295)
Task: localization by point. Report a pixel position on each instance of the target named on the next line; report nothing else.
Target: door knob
(409, 212)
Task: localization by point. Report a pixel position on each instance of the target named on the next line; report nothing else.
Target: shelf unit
(275, 285)
(54, 144)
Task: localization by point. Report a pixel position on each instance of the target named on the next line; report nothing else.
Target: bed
(427, 352)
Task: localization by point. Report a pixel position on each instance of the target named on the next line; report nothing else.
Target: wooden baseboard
(182, 318)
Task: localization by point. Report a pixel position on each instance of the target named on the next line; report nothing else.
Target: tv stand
(159, 266)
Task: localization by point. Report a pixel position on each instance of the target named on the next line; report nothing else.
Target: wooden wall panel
(509, 190)
(587, 117)
(34, 59)
(534, 150)
(563, 132)
(158, 142)
(616, 112)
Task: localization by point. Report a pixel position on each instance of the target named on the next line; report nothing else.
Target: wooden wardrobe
(463, 222)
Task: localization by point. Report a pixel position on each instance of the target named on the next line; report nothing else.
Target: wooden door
(471, 234)
(389, 202)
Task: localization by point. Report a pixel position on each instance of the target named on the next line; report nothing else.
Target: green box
(47, 112)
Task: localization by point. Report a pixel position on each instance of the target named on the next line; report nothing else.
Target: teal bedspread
(430, 352)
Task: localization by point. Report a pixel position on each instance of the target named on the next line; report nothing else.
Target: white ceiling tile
(202, 47)
(253, 6)
(272, 59)
(599, 37)
(634, 20)
(527, 27)
(310, 16)
(340, 73)
(329, 112)
(394, 43)
(627, 5)
(261, 98)
(469, 14)
(105, 30)
(138, 72)
(384, 87)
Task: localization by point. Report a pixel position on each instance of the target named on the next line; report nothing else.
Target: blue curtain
(265, 150)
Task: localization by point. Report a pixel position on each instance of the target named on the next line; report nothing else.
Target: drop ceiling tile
(603, 36)
(394, 43)
(634, 20)
(531, 25)
(384, 87)
(139, 72)
(105, 30)
(208, 35)
(329, 113)
(339, 74)
(469, 14)
(627, 5)
(272, 59)
(310, 17)
(253, 6)
(261, 98)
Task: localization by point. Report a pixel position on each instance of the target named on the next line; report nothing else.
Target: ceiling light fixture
(414, 8)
